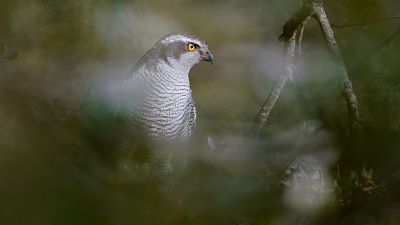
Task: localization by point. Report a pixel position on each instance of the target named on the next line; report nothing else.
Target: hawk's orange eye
(191, 47)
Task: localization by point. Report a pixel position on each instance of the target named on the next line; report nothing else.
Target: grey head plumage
(173, 50)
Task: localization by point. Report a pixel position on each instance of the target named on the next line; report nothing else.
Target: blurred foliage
(56, 53)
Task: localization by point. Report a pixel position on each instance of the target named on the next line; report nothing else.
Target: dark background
(59, 51)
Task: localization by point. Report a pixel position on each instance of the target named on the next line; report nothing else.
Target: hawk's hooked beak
(207, 56)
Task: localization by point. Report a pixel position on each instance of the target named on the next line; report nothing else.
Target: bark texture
(292, 36)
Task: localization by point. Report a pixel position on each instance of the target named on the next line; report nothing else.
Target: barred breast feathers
(167, 109)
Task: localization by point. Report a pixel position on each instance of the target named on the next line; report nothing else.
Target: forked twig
(294, 27)
(292, 36)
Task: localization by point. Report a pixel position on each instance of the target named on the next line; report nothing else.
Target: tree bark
(286, 72)
(347, 88)
(292, 35)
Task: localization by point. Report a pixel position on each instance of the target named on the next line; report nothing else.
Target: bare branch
(347, 89)
(396, 17)
(299, 39)
(297, 20)
(292, 35)
(287, 71)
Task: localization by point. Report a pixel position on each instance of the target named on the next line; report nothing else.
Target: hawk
(157, 98)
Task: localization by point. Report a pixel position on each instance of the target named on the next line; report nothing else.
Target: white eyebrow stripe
(176, 38)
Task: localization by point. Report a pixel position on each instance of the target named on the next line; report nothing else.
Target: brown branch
(292, 35)
(297, 20)
(299, 39)
(396, 17)
(287, 71)
(347, 89)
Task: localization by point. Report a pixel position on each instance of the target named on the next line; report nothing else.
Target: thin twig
(347, 89)
(292, 51)
(292, 35)
(301, 15)
(286, 72)
(299, 39)
(396, 17)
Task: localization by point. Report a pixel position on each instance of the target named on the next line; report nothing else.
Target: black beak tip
(208, 57)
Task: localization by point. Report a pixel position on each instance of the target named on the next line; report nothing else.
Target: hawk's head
(182, 50)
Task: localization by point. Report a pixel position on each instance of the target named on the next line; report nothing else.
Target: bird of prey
(157, 98)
